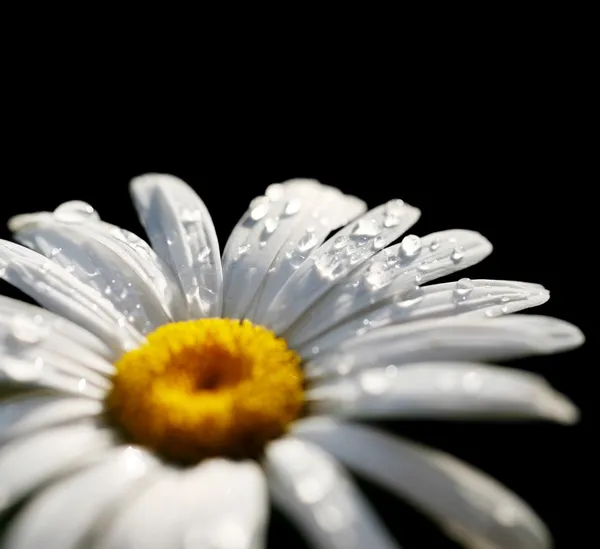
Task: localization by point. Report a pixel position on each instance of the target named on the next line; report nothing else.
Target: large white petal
(443, 390)
(69, 514)
(337, 259)
(182, 233)
(24, 414)
(274, 237)
(28, 463)
(58, 290)
(218, 504)
(461, 338)
(317, 494)
(392, 273)
(113, 261)
(472, 507)
(486, 298)
(27, 326)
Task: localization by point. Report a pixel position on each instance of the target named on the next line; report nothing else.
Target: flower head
(167, 389)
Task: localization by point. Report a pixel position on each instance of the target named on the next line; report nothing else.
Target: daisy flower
(165, 393)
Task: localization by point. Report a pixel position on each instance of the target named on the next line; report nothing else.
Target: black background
(499, 153)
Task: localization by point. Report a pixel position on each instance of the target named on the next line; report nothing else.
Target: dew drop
(271, 224)
(434, 244)
(76, 211)
(463, 288)
(505, 299)
(307, 242)
(378, 275)
(242, 250)
(203, 255)
(410, 245)
(410, 299)
(29, 329)
(373, 382)
(340, 242)
(378, 243)
(366, 227)
(457, 254)
(259, 208)
(55, 252)
(295, 258)
(292, 207)
(274, 192)
(395, 207)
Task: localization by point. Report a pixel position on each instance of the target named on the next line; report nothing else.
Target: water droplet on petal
(410, 245)
(434, 244)
(76, 211)
(29, 329)
(307, 242)
(463, 288)
(259, 211)
(373, 382)
(457, 254)
(410, 299)
(505, 299)
(271, 224)
(378, 243)
(292, 207)
(274, 192)
(241, 250)
(295, 258)
(203, 255)
(366, 227)
(340, 242)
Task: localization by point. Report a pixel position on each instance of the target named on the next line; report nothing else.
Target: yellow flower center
(207, 387)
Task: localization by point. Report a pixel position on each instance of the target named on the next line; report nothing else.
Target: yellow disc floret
(207, 387)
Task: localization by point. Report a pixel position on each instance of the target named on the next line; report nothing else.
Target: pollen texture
(205, 388)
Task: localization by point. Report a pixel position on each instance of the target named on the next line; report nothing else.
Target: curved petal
(25, 414)
(28, 463)
(182, 233)
(66, 515)
(485, 298)
(218, 504)
(274, 237)
(316, 493)
(115, 262)
(392, 273)
(24, 326)
(337, 259)
(58, 290)
(472, 507)
(443, 390)
(462, 338)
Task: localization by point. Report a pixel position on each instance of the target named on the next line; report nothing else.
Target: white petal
(316, 493)
(58, 290)
(392, 273)
(462, 338)
(274, 237)
(64, 336)
(337, 259)
(472, 507)
(443, 390)
(118, 264)
(25, 414)
(182, 233)
(70, 513)
(486, 298)
(28, 463)
(218, 504)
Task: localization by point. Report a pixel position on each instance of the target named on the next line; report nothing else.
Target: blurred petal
(316, 493)
(443, 390)
(218, 504)
(473, 508)
(462, 338)
(29, 463)
(58, 290)
(69, 513)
